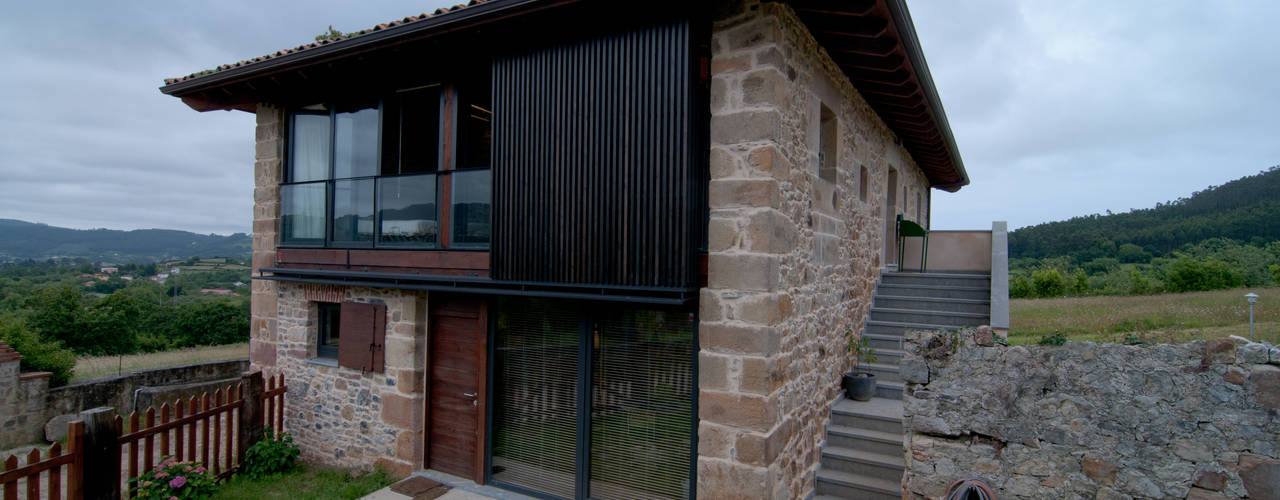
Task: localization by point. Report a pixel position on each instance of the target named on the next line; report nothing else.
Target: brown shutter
(378, 337)
(362, 330)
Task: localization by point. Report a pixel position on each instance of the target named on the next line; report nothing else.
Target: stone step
(879, 414)
(887, 342)
(885, 443)
(862, 463)
(889, 390)
(898, 328)
(834, 484)
(952, 319)
(884, 372)
(979, 306)
(937, 279)
(935, 291)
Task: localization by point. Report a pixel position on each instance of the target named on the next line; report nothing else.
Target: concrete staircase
(863, 454)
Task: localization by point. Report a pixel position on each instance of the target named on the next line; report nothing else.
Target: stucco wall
(793, 258)
(1085, 420)
(950, 251)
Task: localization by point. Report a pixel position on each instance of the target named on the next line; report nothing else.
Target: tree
(38, 354)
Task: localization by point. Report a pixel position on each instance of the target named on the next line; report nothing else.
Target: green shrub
(38, 354)
(1048, 283)
(1139, 284)
(1187, 275)
(1020, 288)
(1055, 338)
(1130, 253)
(269, 456)
(173, 479)
(1275, 273)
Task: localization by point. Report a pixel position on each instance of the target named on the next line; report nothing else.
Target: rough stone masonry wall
(793, 258)
(1084, 420)
(345, 417)
(22, 401)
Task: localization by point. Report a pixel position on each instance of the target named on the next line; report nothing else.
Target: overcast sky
(1059, 108)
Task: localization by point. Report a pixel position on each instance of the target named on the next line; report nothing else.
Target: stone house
(573, 251)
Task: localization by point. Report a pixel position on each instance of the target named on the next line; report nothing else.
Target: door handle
(469, 394)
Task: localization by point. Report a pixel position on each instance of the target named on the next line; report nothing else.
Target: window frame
(448, 149)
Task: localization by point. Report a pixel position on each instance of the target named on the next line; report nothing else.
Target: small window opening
(863, 182)
(327, 340)
(827, 152)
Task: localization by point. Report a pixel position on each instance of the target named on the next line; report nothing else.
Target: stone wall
(344, 417)
(22, 401)
(793, 258)
(118, 391)
(1084, 420)
(268, 172)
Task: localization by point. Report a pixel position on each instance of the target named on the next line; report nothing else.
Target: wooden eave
(874, 43)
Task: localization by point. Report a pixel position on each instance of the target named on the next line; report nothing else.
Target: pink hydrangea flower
(200, 470)
(162, 475)
(173, 498)
(178, 482)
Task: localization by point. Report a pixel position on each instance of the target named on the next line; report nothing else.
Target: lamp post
(1252, 297)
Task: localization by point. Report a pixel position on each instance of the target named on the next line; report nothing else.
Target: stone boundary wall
(1084, 420)
(27, 402)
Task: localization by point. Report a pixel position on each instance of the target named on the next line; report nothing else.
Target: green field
(1166, 318)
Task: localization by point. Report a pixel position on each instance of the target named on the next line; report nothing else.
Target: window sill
(331, 362)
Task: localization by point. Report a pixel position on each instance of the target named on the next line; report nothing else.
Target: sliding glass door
(593, 401)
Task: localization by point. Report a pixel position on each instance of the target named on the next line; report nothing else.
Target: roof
(325, 41)
(873, 41)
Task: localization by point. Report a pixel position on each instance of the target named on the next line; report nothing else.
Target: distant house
(160, 277)
(90, 283)
(127, 278)
(215, 291)
(577, 253)
(110, 270)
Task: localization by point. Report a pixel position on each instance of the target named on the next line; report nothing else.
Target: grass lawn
(305, 483)
(98, 366)
(1167, 318)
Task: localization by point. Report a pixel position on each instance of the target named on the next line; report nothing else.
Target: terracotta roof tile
(325, 41)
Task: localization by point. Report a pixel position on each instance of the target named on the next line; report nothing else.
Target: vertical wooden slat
(149, 441)
(164, 436)
(214, 465)
(11, 488)
(178, 435)
(191, 429)
(55, 474)
(75, 446)
(280, 406)
(133, 446)
(33, 481)
(233, 427)
(270, 404)
(204, 430)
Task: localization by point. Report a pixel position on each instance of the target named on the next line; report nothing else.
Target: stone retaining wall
(1084, 420)
(21, 401)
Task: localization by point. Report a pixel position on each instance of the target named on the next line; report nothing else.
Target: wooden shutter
(360, 338)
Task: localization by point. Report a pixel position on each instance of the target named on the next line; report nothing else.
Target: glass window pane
(355, 143)
(353, 211)
(302, 216)
(309, 153)
(407, 211)
(642, 404)
(535, 400)
(419, 130)
(471, 201)
(474, 119)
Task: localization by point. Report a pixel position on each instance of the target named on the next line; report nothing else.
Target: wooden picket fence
(215, 430)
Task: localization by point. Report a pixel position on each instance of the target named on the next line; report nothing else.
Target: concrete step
(834, 484)
(952, 319)
(879, 414)
(862, 463)
(884, 372)
(982, 292)
(889, 356)
(937, 279)
(887, 342)
(884, 443)
(898, 328)
(935, 304)
(889, 390)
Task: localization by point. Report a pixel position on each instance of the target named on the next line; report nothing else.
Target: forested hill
(1246, 210)
(25, 240)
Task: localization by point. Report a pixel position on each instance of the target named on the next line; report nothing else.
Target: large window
(375, 174)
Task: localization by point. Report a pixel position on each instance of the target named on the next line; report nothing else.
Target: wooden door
(456, 358)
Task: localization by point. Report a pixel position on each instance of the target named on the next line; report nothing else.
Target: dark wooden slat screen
(599, 173)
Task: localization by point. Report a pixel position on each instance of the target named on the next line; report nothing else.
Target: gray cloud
(1059, 108)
